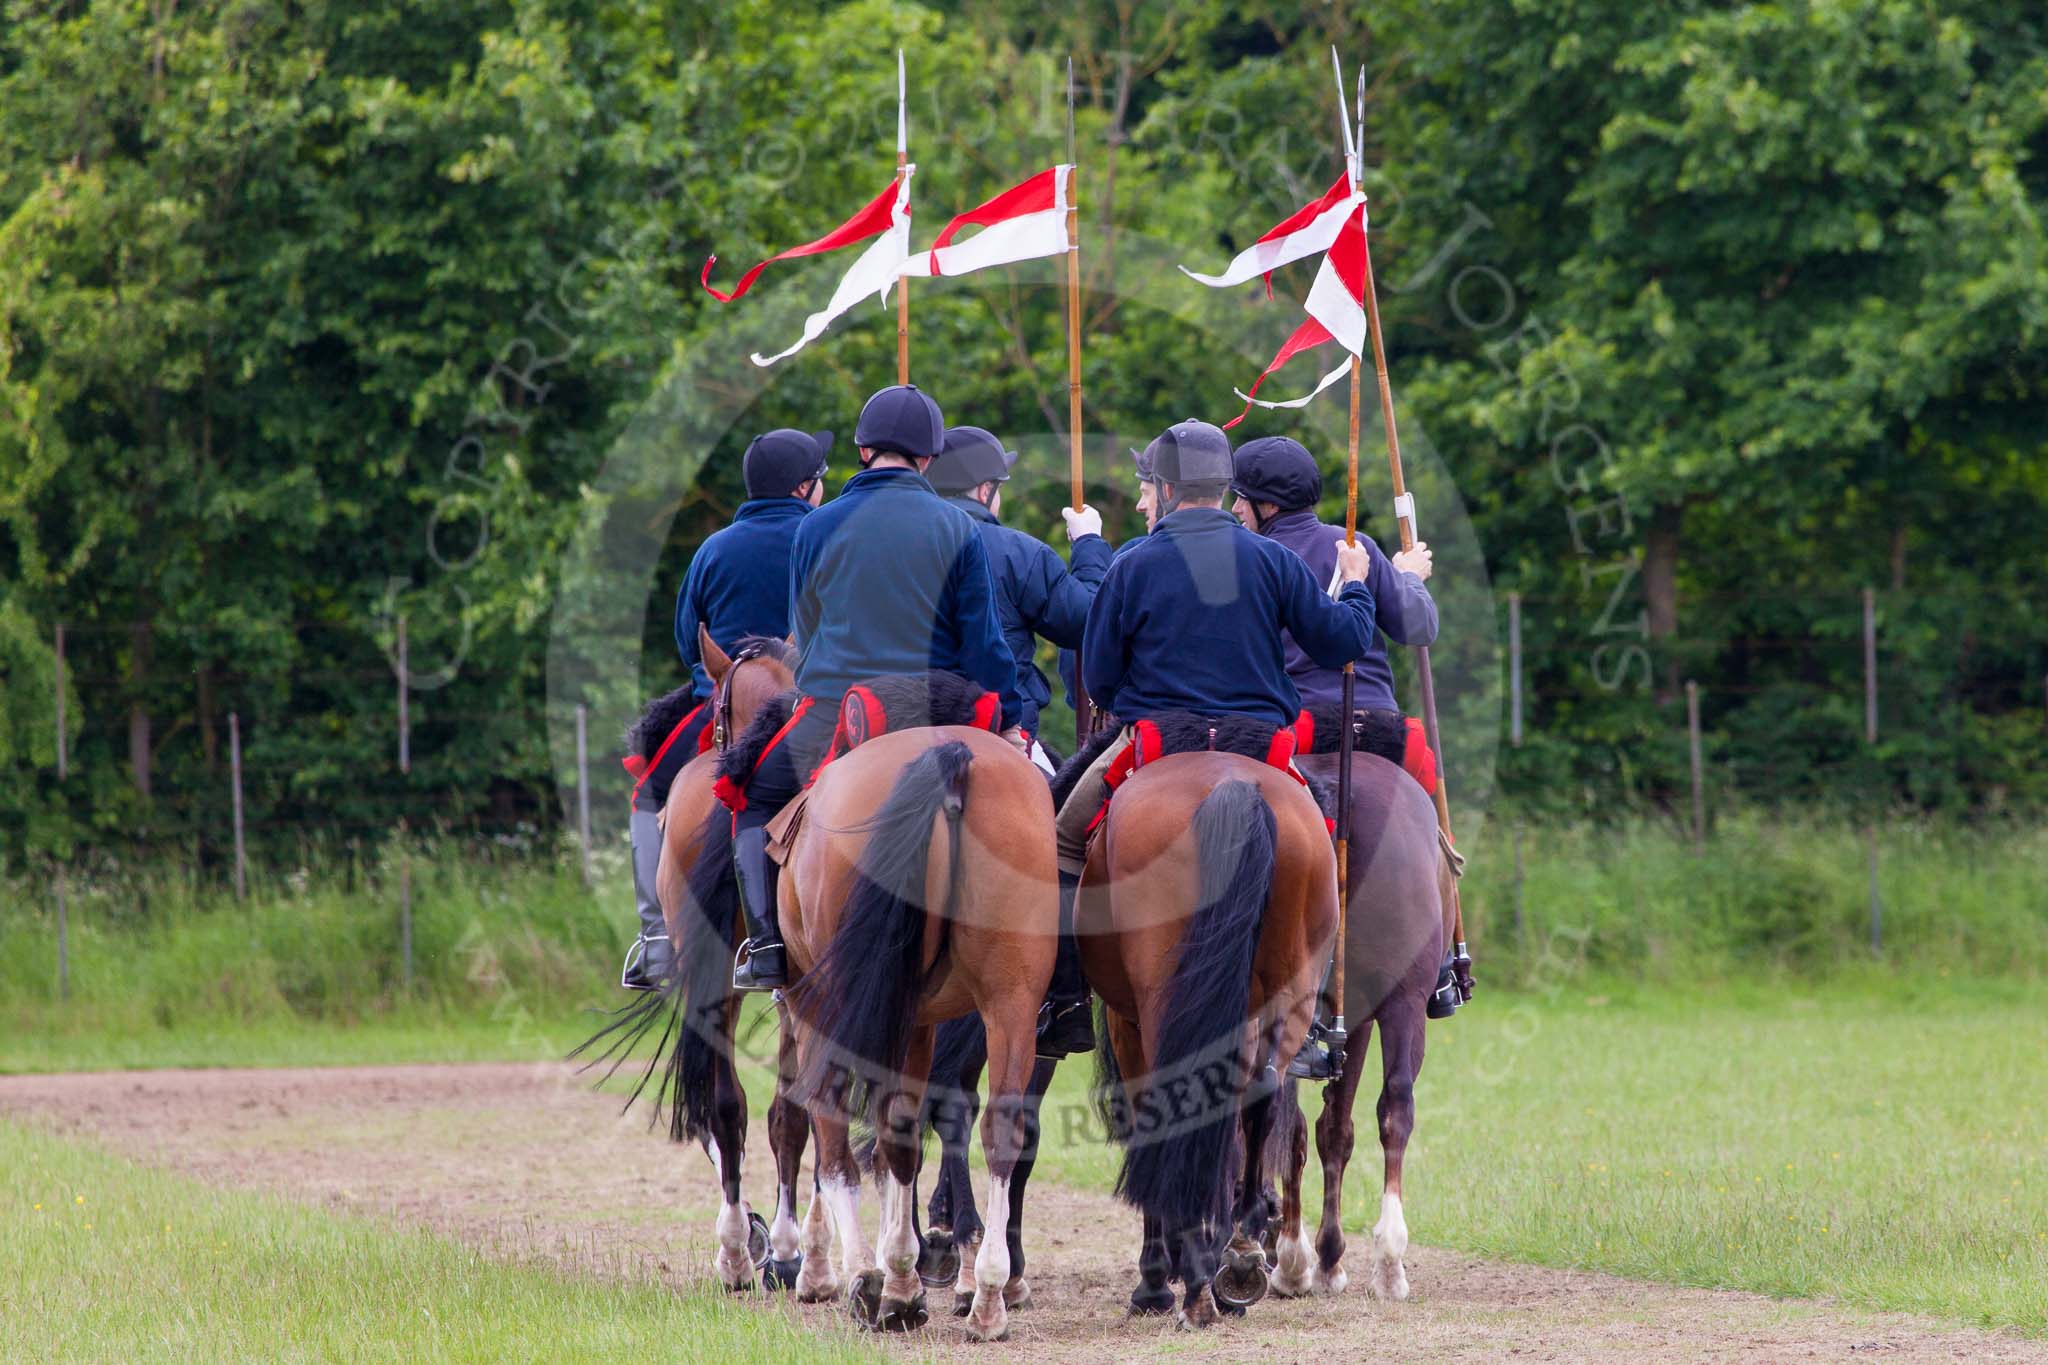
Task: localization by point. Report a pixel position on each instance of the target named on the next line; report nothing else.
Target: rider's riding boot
(759, 966)
(1318, 1060)
(1445, 999)
(647, 961)
(1064, 1026)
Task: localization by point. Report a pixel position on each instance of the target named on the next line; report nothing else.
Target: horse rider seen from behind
(737, 586)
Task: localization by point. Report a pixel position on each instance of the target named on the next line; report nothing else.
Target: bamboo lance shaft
(902, 302)
(1423, 675)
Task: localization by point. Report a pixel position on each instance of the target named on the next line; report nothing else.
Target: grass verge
(104, 1260)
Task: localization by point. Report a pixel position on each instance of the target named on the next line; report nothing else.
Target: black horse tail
(1180, 1133)
(689, 1004)
(702, 971)
(861, 996)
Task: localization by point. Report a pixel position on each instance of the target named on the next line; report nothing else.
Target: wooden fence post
(1699, 798)
(63, 742)
(1515, 739)
(583, 784)
(235, 776)
(1870, 738)
(404, 705)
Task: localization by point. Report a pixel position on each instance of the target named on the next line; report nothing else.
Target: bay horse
(1206, 912)
(696, 1006)
(921, 886)
(1398, 920)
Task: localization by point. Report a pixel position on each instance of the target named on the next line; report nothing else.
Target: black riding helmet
(903, 420)
(1279, 470)
(1188, 452)
(968, 458)
(777, 461)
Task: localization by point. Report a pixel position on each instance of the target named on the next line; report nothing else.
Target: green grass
(103, 1260)
(1881, 1141)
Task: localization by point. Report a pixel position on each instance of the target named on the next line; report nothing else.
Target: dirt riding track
(524, 1162)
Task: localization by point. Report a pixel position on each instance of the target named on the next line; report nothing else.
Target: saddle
(870, 709)
(1397, 738)
(1187, 732)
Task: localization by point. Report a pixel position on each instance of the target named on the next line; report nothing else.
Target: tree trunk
(138, 708)
(1660, 588)
(1898, 556)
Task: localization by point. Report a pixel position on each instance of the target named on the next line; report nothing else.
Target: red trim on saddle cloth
(1304, 733)
(641, 767)
(1146, 746)
(1418, 759)
(729, 793)
(862, 717)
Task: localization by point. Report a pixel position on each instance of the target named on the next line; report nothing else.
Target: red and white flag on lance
(1336, 312)
(1309, 229)
(886, 219)
(1022, 223)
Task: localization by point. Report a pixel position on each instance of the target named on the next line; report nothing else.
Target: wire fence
(224, 782)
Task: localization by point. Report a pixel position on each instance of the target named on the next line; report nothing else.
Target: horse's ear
(716, 662)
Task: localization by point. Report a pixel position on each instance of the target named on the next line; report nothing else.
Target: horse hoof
(991, 1326)
(1331, 1281)
(938, 1265)
(1390, 1281)
(740, 1287)
(781, 1274)
(963, 1304)
(899, 1315)
(1017, 1293)
(864, 1297)
(757, 1239)
(1242, 1281)
(825, 1291)
(1146, 1303)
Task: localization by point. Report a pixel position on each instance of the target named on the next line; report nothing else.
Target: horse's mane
(744, 752)
(766, 646)
(653, 725)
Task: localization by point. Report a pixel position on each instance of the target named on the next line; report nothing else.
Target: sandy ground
(525, 1162)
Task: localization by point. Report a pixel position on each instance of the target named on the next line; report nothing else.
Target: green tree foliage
(317, 317)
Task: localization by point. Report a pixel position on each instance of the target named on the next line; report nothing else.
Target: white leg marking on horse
(735, 1266)
(896, 1248)
(1390, 1244)
(1296, 1263)
(817, 1282)
(783, 1238)
(989, 1319)
(842, 1200)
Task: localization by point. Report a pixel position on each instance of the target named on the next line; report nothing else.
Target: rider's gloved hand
(1086, 522)
(1418, 560)
(1354, 562)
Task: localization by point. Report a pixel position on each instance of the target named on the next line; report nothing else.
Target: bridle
(721, 700)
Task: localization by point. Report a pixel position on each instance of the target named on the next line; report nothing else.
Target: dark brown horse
(1207, 909)
(1397, 922)
(921, 886)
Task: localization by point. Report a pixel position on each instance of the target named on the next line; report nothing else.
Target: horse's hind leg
(1017, 1293)
(735, 1259)
(788, 1130)
(1293, 1257)
(1402, 1025)
(1335, 1137)
(1012, 1035)
(897, 1152)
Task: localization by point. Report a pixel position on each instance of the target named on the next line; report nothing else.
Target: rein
(721, 714)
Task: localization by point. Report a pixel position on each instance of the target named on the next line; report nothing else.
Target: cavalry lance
(1084, 710)
(902, 282)
(1404, 517)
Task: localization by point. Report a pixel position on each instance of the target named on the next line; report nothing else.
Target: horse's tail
(690, 1001)
(861, 996)
(702, 972)
(1180, 1133)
